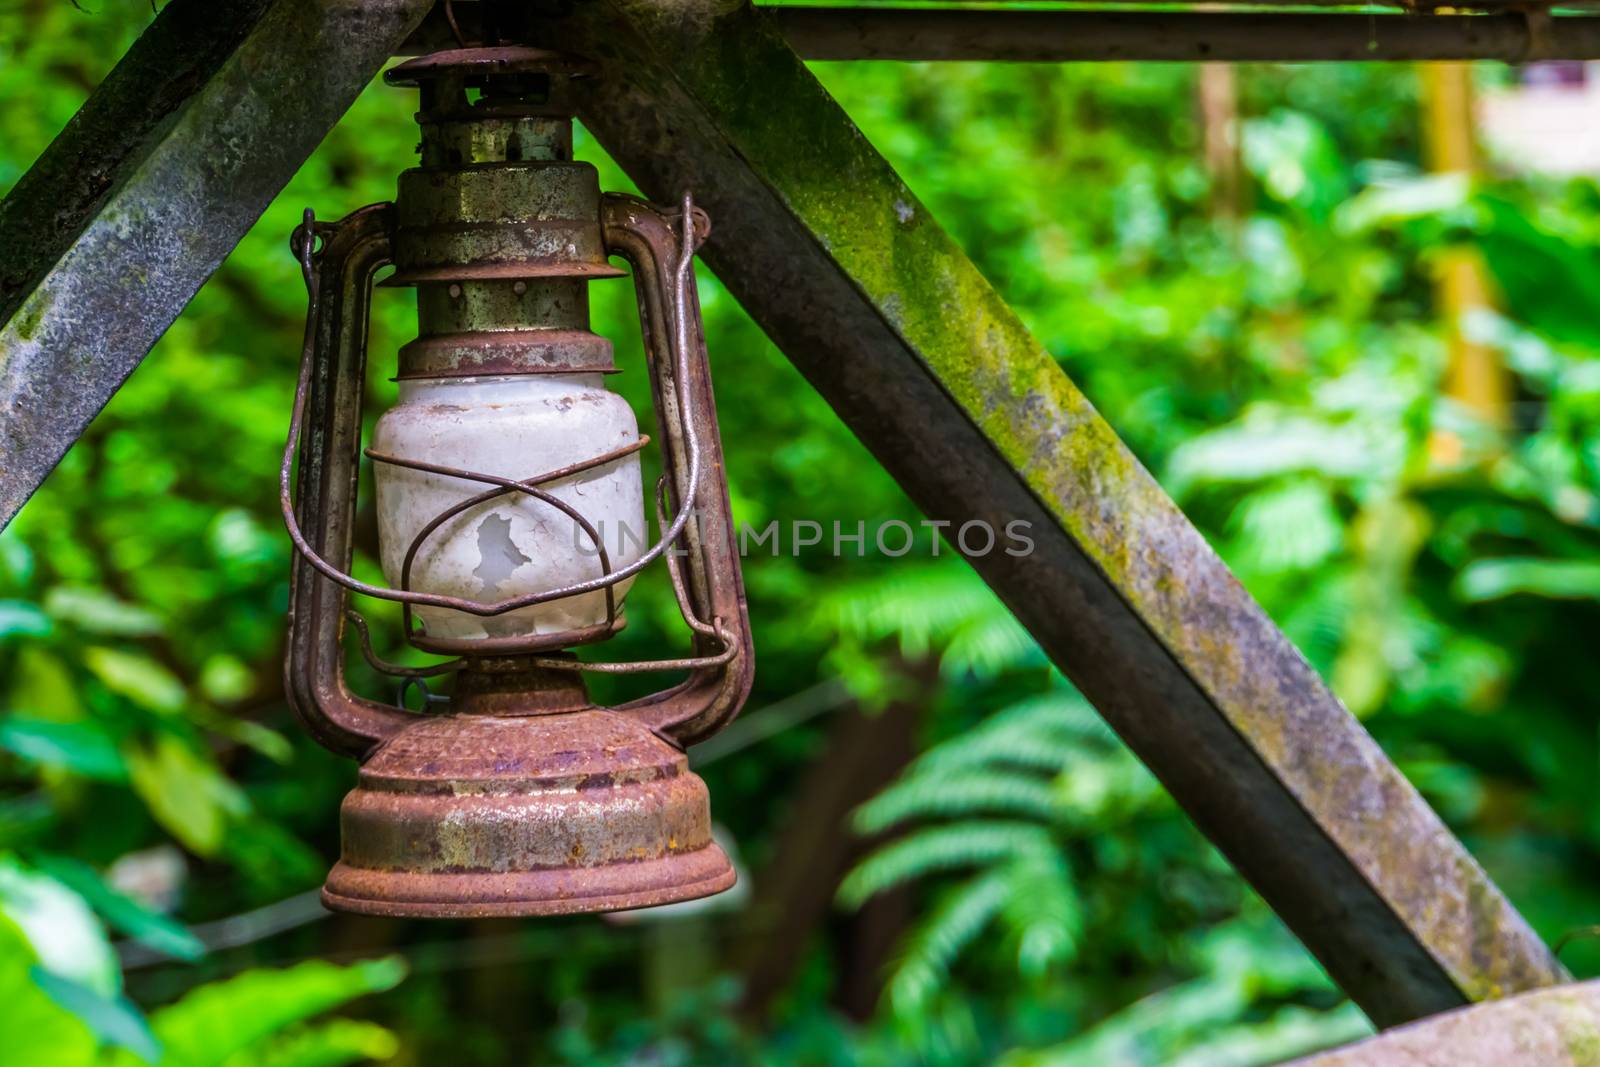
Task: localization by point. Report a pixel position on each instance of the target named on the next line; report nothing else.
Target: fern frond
(1023, 749)
(1043, 914)
(943, 848)
(988, 645)
(1104, 788)
(1060, 710)
(933, 946)
(922, 606)
(928, 796)
(1293, 526)
(1041, 732)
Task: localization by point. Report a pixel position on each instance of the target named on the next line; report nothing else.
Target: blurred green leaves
(19, 618)
(257, 1018)
(137, 677)
(84, 748)
(122, 912)
(185, 792)
(1280, 371)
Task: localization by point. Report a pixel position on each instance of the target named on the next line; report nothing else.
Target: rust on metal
(524, 798)
(454, 355)
(528, 814)
(847, 272)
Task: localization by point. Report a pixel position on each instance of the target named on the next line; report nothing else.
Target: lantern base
(619, 887)
(475, 815)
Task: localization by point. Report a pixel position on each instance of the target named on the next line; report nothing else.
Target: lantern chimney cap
(474, 65)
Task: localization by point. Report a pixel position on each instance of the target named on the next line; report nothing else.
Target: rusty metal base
(619, 887)
(541, 814)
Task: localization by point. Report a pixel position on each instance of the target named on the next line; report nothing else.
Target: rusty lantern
(510, 516)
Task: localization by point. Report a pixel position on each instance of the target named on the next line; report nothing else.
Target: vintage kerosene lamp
(510, 521)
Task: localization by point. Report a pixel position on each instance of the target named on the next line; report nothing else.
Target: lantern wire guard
(303, 242)
(516, 795)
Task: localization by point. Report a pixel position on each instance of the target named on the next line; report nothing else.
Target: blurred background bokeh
(1350, 317)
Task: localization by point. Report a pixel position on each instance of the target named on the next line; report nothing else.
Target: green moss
(31, 314)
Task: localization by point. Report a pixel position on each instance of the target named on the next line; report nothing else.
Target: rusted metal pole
(1190, 36)
(150, 186)
(841, 265)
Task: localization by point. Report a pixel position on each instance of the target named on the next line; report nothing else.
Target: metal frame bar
(832, 254)
(149, 188)
(1188, 36)
(1084, 34)
(836, 259)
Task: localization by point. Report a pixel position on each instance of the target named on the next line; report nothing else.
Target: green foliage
(122, 912)
(83, 748)
(1280, 371)
(246, 1021)
(1297, 415)
(38, 1030)
(1235, 1012)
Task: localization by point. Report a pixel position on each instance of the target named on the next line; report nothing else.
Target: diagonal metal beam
(148, 189)
(830, 252)
(1547, 1028)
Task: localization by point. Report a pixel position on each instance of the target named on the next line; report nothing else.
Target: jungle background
(1375, 388)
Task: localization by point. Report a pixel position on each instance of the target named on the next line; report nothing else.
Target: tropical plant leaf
(990, 644)
(1271, 444)
(66, 937)
(1043, 913)
(1503, 576)
(334, 1043)
(152, 929)
(34, 1029)
(114, 1019)
(18, 618)
(1040, 733)
(83, 747)
(1288, 527)
(214, 1023)
(137, 677)
(1550, 282)
(921, 606)
(185, 792)
(96, 611)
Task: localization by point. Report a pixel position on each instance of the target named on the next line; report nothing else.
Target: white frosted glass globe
(513, 427)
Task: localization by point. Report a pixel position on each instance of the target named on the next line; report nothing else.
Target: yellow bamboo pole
(1474, 375)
